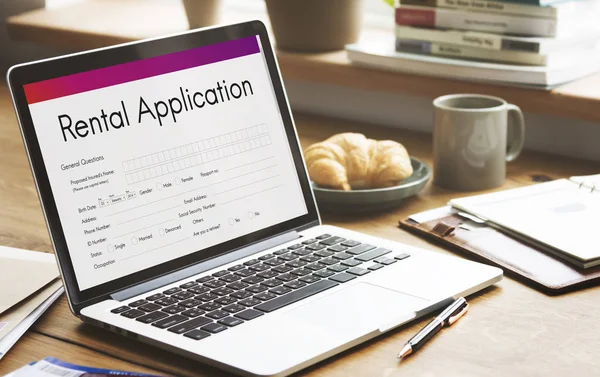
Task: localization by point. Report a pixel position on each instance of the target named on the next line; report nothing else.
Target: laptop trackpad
(358, 309)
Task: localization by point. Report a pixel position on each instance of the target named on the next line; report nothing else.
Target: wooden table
(99, 23)
(511, 330)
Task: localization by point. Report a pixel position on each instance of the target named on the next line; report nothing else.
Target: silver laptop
(181, 212)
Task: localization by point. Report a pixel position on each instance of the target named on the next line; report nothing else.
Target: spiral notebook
(561, 216)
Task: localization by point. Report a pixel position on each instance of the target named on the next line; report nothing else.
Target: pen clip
(455, 317)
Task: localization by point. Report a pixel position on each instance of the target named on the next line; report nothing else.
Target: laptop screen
(158, 158)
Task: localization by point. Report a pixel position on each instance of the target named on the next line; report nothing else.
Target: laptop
(181, 212)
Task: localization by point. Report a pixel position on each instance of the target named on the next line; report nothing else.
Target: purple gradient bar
(137, 70)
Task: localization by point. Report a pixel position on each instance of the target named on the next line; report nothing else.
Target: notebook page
(588, 181)
(557, 213)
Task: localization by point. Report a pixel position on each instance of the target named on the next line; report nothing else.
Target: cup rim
(438, 102)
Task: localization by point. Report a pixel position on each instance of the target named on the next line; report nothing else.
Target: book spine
(443, 49)
(477, 21)
(466, 38)
(498, 7)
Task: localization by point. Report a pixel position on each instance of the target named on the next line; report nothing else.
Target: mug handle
(516, 144)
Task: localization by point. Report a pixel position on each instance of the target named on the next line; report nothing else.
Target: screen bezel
(100, 58)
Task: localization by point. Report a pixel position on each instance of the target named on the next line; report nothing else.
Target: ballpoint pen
(450, 315)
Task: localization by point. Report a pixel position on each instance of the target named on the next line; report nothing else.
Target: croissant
(350, 160)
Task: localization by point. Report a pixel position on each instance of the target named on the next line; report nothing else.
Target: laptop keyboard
(228, 298)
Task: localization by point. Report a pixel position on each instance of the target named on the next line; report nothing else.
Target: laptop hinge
(198, 268)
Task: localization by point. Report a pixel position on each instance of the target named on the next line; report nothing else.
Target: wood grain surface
(99, 23)
(510, 330)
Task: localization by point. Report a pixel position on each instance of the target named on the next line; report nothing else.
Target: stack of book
(523, 32)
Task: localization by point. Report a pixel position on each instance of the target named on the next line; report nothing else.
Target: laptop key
(192, 313)
(149, 307)
(230, 321)
(296, 264)
(198, 290)
(295, 296)
(342, 256)
(235, 268)
(337, 268)
(172, 291)
(207, 297)
(218, 274)
(286, 277)
(230, 278)
(214, 284)
(329, 261)
(166, 301)
(315, 247)
(189, 325)
(223, 291)
(234, 308)
(309, 279)
(170, 321)
(137, 303)
(174, 309)
(241, 295)
(295, 246)
(279, 252)
(259, 267)
(274, 262)
(332, 241)
(187, 285)
(151, 317)
(401, 256)
(295, 284)
(323, 236)
(358, 271)
(342, 277)
(282, 269)
(267, 274)
(257, 288)
(217, 314)
(288, 257)
(155, 297)
(248, 314)
(266, 256)
(225, 300)
(245, 272)
(272, 283)
(281, 290)
(302, 252)
(337, 248)
(209, 306)
(350, 243)
(373, 254)
(360, 249)
(183, 295)
(204, 279)
(310, 258)
(316, 266)
(253, 280)
(196, 334)
(351, 262)
(385, 260)
(265, 296)
(250, 302)
(324, 253)
(309, 241)
(251, 262)
(191, 303)
(133, 313)
(214, 328)
(324, 273)
(301, 272)
(375, 267)
(120, 309)
(238, 285)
